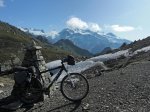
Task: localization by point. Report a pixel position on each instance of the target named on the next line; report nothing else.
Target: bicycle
(73, 87)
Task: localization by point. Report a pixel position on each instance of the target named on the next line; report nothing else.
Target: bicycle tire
(32, 94)
(80, 89)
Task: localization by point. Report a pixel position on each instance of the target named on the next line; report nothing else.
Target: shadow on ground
(69, 107)
(7, 105)
(10, 103)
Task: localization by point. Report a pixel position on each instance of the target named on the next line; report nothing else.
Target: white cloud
(119, 28)
(77, 23)
(2, 3)
(94, 27)
(139, 28)
(53, 34)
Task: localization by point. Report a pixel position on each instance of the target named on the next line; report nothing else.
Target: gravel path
(123, 90)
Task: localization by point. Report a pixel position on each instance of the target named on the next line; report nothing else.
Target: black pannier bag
(22, 77)
(70, 60)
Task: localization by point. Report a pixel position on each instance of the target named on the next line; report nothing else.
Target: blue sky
(126, 18)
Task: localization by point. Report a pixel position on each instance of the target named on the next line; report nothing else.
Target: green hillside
(137, 44)
(67, 45)
(13, 41)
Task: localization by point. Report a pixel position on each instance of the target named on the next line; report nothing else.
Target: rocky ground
(123, 90)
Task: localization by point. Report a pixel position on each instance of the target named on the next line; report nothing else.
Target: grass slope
(13, 41)
(67, 45)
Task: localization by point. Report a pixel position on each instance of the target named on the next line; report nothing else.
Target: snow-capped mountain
(34, 31)
(40, 32)
(92, 41)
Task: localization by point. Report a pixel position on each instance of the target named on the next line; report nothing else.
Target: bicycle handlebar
(63, 60)
(67, 59)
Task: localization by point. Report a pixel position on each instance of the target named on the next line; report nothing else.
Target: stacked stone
(33, 57)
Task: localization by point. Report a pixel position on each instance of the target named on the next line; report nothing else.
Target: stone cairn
(33, 57)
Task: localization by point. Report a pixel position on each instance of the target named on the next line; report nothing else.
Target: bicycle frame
(62, 68)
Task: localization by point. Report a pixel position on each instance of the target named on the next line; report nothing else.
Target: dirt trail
(123, 90)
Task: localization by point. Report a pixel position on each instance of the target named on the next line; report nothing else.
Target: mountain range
(94, 42)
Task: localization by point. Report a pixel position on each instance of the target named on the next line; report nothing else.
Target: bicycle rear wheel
(74, 87)
(32, 93)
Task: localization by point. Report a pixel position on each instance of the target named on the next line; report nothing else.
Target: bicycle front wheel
(74, 87)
